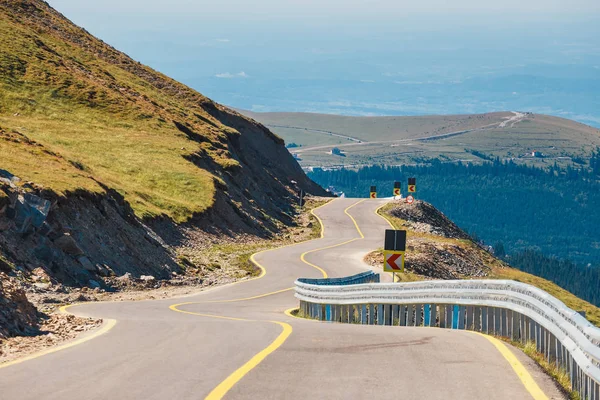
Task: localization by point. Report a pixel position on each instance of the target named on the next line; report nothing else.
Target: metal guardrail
(363, 277)
(498, 307)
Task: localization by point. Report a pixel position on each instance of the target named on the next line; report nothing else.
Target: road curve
(236, 342)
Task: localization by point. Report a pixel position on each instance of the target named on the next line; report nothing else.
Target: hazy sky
(365, 57)
(315, 7)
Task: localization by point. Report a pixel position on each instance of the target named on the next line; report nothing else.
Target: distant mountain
(525, 137)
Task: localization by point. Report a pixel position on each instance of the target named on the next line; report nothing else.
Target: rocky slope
(109, 167)
(436, 247)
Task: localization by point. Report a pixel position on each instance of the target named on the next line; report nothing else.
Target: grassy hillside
(76, 114)
(398, 140)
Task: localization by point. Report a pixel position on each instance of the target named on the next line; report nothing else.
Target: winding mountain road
(236, 341)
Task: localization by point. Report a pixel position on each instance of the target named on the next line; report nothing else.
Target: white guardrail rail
(497, 307)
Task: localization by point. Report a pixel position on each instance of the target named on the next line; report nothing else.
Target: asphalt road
(235, 341)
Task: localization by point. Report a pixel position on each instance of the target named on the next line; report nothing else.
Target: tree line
(554, 212)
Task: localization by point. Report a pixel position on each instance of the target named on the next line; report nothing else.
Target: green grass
(107, 120)
(560, 375)
(501, 270)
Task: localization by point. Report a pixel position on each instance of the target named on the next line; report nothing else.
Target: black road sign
(395, 240)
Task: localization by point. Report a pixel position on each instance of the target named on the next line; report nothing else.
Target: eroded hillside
(109, 168)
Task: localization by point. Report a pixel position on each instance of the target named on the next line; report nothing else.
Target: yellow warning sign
(373, 195)
(412, 188)
(396, 191)
(393, 261)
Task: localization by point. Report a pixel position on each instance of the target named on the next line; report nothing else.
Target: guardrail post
(484, 319)
(503, 323)
(461, 317)
(403, 315)
(477, 318)
(455, 311)
(380, 320)
(470, 317)
(442, 315)
(449, 309)
(418, 314)
(371, 314)
(427, 315)
(433, 315)
(395, 316)
(514, 325)
(498, 321)
(490, 320)
(363, 314)
(387, 314)
(410, 315)
(443, 319)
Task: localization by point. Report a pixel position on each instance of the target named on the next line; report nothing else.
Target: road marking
(524, 375)
(221, 390)
(106, 326)
(303, 255)
(384, 218)
(352, 218)
(234, 300)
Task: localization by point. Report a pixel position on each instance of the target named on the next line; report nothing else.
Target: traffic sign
(412, 185)
(393, 250)
(394, 240)
(410, 199)
(394, 261)
(373, 192)
(397, 190)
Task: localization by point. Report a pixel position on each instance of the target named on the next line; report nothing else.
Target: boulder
(147, 278)
(127, 277)
(86, 263)
(68, 245)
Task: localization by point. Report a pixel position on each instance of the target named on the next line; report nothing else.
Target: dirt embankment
(436, 247)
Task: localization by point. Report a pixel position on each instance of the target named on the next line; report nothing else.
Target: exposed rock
(67, 244)
(86, 263)
(17, 315)
(126, 277)
(148, 278)
(425, 218)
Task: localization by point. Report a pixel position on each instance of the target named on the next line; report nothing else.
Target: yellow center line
(352, 218)
(243, 299)
(303, 255)
(218, 392)
(532, 387)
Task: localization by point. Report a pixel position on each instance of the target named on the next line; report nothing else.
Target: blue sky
(366, 57)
